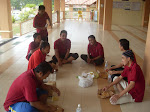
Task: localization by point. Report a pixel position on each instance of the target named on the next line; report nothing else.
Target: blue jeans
(25, 106)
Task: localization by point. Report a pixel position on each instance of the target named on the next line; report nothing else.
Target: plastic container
(54, 75)
(78, 108)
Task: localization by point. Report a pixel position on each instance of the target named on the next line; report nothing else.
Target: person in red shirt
(95, 52)
(28, 94)
(133, 91)
(40, 23)
(62, 50)
(34, 45)
(39, 55)
(116, 70)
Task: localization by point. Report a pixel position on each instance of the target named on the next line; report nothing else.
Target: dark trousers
(97, 62)
(118, 69)
(74, 55)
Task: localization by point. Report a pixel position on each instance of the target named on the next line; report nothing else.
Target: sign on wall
(135, 6)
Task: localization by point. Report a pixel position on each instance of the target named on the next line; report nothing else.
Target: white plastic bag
(85, 80)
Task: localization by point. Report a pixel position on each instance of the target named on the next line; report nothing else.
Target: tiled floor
(13, 63)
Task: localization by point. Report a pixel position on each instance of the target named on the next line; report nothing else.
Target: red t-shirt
(95, 50)
(40, 21)
(62, 46)
(32, 45)
(36, 58)
(134, 73)
(23, 89)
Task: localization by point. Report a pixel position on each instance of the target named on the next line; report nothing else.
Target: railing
(26, 26)
(54, 17)
(61, 15)
(74, 14)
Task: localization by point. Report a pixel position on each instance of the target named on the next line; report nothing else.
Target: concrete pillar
(48, 8)
(71, 11)
(146, 63)
(108, 5)
(146, 13)
(101, 11)
(97, 4)
(57, 8)
(63, 8)
(5, 19)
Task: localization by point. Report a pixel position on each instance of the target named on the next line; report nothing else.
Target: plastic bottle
(106, 65)
(78, 108)
(54, 75)
(109, 78)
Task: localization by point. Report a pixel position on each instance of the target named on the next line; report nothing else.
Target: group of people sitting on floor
(28, 93)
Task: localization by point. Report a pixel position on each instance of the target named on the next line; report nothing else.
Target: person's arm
(57, 56)
(113, 83)
(40, 106)
(49, 21)
(114, 67)
(115, 72)
(67, 54)
(49, 88)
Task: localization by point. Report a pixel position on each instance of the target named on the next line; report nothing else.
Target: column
(57, 8)
(146, 13)
(63, 8)
(101, 11)
(5, 19)
(146, 63)
(88, 12)
(48, 8)
(71, 11)
(108, 5)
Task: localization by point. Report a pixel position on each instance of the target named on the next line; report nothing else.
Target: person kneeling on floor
(28, 93)
(133, 91)
(95, 52)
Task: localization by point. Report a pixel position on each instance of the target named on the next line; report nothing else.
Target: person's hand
(105, 88)
(114, 98)
(56, 90)
(52, 108)
(107, 70)
(111, 72)
(89, 60)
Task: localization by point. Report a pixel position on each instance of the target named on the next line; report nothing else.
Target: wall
(128, 17)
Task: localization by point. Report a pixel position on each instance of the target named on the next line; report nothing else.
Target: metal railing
(54, 17)
(74, 14)
(26, 26)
